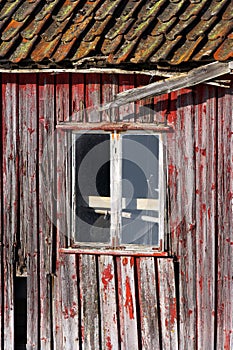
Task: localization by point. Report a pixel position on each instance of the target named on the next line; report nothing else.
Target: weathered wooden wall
(111, 302)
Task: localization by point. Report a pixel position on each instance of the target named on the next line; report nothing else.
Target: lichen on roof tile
(46, 10)
(75, 30)
(208, 49)
(97, 29)
(110, 46)
(66, 10)
(5, 46)
(22, 50)
(146, 48)
(162, 27)
(63, 50)
(221, 30)
(165, 50)
(34, 28)
(25, 10)
(214, 9)
(108, 7)
(12, 29)
(9, 8)
(55, 29)
(44, 49)
(228, 13)
(119, 28)
(84, 49)
(186, 51)
(180, 28)
(170, 11)
(87, 10)
(202, 28)
(193, 10)
(225, 52)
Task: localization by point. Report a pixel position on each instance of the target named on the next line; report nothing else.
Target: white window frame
(116, 193)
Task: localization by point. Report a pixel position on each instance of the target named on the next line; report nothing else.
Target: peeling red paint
(131, 261)
(108, 343)
(107, 275)
(125, 261)
(129, 299)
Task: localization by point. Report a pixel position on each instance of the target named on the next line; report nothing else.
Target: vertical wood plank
(127, 303)
(46, 202)
(62, 97)
(126, 112)
(109, 88)
(148, 304)
(10, 199)
(78, 97)
(69, 290)
(181, 179)
(93, 97)
(90, 321)
(168, 304)
(143, 108)
(225, 221)
(108, 303)
(205, 149)
(29, 151)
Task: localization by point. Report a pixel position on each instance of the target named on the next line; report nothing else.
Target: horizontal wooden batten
(114, 126)
(115, 252)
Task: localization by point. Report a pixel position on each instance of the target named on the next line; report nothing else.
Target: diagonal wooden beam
(184, 80)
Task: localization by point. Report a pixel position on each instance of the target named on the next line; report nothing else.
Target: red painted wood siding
(107, 302)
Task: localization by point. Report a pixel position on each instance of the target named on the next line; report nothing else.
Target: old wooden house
(116, 174)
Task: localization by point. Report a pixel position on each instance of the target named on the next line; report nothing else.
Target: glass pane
(140, 189)
(92, 187)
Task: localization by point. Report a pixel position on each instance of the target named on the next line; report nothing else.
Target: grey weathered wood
(46, 203)
(127, 303)
(108, 303)
(168, 304)
(224, 314)
(70, 302)
(148, 303)
(90, 316)
(10, 203)
(29, 132)
(205, 146)
(193, 77)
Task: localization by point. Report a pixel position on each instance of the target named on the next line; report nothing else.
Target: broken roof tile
(84, 49)
(110, 45)
(180, 28)
(162, 27)
(75, 30)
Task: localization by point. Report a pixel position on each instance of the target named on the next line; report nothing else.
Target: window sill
(116, 252)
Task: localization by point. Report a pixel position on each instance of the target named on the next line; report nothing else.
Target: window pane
(92, 187)
(140, 189)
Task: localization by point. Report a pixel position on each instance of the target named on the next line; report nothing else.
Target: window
(118, 189)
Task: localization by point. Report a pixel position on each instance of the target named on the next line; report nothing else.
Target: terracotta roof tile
(22, 50)
(119, 32)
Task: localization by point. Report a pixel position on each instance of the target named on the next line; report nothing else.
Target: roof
(154, 33)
